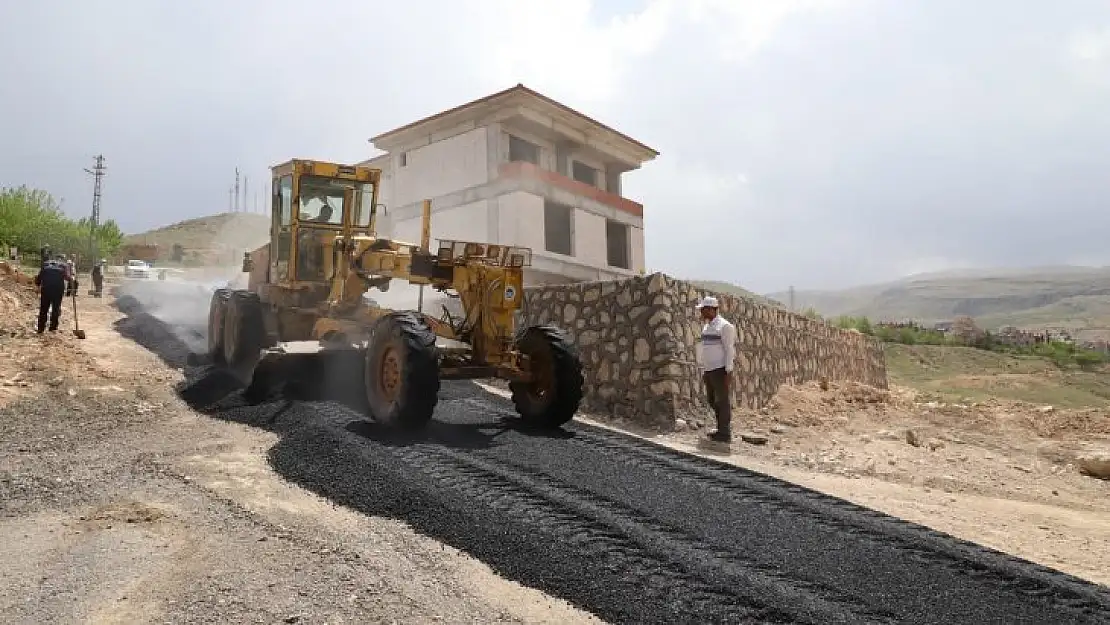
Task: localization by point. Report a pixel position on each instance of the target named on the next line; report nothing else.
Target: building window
(523, 151)
(558, 233)
(585, 173)
(616, 242)
(404, 159)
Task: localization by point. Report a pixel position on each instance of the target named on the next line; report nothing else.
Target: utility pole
(246, 189)
(235, 209)
(230, 199)
(97, 173)
(791, 298)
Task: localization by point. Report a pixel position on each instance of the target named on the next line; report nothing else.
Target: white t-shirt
(718, 345)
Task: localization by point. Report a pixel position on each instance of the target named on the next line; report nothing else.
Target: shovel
(77, 331)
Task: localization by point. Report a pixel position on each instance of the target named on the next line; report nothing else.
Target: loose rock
(1095, 464)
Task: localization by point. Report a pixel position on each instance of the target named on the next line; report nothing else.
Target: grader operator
(306, 297)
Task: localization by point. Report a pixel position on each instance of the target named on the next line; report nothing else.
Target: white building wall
(468, 222)
(439, 168)
(636, 235)
(589, 239)
(520, 220)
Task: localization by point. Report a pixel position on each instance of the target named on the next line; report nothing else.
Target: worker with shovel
(51, 282)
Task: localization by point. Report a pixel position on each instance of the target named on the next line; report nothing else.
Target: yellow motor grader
(307, 296)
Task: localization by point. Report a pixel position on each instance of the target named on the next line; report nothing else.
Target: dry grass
(968, 374)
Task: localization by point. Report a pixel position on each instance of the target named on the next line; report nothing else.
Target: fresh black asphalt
(627, 530)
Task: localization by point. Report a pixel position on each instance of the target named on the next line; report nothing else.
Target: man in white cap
(718, 356)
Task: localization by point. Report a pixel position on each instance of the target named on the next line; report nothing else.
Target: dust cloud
(181, 302)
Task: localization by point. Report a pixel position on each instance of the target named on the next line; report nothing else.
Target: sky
(814, 143)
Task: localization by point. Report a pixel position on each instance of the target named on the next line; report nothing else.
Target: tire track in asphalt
(752, 583)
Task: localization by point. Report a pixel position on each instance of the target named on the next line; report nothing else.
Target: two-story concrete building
(518, 168)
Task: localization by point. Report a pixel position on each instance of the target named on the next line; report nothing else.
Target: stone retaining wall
(637, 338)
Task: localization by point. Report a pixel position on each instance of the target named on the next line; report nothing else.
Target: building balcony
(528, 171)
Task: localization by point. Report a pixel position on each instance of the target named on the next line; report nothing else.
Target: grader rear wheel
(217, 314)
(555, 392)
(402, 371)
(244, 329)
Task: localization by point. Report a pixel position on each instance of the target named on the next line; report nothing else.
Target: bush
(1089, 359)
(860, 324)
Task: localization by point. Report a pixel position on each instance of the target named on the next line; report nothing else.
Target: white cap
(708, 302)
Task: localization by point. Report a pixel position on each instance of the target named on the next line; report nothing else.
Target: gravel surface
(630, 531)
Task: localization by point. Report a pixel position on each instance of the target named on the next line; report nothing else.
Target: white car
(137, 269)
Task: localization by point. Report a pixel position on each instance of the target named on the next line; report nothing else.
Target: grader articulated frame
(306, 298)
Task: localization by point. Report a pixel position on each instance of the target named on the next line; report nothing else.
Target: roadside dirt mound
(17, 296)
(814, 403)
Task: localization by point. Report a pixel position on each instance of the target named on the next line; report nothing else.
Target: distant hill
(1077, 298)
(217, 238)
(727, 288)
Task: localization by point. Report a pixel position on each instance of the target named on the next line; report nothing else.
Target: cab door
(281, 257)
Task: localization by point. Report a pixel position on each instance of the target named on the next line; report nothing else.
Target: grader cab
(307, 297)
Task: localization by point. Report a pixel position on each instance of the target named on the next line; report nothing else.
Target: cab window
(322, 200)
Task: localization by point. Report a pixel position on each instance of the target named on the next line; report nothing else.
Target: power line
(98, 171)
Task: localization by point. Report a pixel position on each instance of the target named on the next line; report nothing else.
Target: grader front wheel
(552, 397)
(402, 371)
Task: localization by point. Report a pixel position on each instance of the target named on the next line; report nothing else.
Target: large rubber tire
(217, 314)
(553, 398)
(244, 329)
(402, 371)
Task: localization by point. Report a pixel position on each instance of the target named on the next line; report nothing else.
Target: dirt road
(123, 505)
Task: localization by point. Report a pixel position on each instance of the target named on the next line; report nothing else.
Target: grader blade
(304, 370)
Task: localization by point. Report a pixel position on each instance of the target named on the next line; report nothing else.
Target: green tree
(863, 324)
(31, 218)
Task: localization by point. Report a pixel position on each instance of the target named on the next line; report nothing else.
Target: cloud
(809, 142)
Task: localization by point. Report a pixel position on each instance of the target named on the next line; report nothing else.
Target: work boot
(720, 437)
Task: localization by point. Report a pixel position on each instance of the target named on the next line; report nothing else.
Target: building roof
(519, 89)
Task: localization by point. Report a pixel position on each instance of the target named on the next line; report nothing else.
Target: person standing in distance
(718, 350)
(98, 277)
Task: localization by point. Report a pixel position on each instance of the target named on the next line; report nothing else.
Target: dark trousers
(98, 285)
(50, 301)
(716, 391)
(71, 287)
